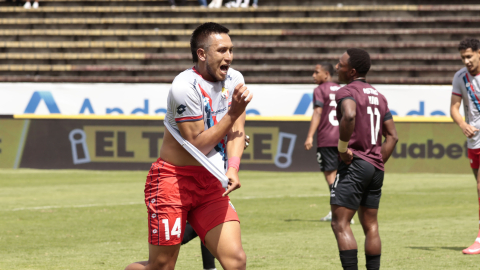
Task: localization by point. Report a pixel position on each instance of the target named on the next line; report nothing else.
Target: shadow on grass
(303, 220)
(437, 248)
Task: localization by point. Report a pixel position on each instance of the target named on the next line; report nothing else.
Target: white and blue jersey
(192, 98)
(467, 86)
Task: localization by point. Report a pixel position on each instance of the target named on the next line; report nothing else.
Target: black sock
(349, 259)
(207, 257)
(373, 262)
(330, 187)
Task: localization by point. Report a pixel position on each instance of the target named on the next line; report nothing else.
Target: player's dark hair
(201, 34)
(359, 60)
(469, 43)
(327, 67)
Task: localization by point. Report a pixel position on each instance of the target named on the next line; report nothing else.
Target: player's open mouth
(224, 68)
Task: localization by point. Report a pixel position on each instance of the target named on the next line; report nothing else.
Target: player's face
(343, 69)
(219, 56)
(319, 75)
(471, 59)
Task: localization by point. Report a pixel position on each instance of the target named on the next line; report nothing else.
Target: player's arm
(346, 127)
(316, 116)
(235, 147)
(391, 139)
(467, 129)
(205, 140)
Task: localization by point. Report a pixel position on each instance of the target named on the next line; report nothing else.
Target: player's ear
(352, 72)
(202, 55)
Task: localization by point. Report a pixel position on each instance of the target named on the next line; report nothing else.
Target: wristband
(234, 162)
(342, 146)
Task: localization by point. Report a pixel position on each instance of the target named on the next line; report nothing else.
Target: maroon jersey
(324, 96)
(372, 111)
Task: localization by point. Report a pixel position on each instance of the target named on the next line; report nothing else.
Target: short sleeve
(457, 85)
(318, 99)
(186, 102)
(343, 93)
(388, 114)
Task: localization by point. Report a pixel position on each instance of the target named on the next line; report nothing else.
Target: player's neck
(202, 71)
(476, 72)
(360, 78)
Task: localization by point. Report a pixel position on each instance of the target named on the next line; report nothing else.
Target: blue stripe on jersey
(210, 123)
(470, 92)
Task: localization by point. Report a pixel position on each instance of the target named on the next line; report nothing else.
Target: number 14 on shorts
(176, 230)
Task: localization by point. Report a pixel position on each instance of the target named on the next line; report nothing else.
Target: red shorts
(175, 194)
(474, 156)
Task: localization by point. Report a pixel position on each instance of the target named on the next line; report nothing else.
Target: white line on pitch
(136, 203)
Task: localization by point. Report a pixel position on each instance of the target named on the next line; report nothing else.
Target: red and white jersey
(468, 87)
(192, 98)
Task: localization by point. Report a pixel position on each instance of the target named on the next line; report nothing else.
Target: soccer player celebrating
(206, 104)
(325, 123)
(364, 117)
(466, 83)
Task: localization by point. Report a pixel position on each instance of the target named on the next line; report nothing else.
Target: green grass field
(97, 220)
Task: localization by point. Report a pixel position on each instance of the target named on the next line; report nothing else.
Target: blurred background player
(466, 84)
(324, 122)
(363, 117)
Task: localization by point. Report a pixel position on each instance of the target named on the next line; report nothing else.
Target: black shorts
(327, 158)
(359, 183)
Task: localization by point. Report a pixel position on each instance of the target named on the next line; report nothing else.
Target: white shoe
(245, 4)
(27, 5)
(35, 4)
(352, 221)
(327, 217)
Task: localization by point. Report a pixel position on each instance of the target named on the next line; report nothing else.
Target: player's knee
(237, 261)
(240, 260)
(162, 264)
(338, 226)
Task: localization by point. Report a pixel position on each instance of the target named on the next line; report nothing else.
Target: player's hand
(308, 143)
(247, 142)
(233, 181)
(240, 99)
(347, 157)
(469, 130)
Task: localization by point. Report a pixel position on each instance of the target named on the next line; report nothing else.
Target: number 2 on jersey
(333, 114)
(374, 125)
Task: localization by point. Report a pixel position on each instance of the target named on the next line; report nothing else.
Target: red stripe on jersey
(209, 102)
(473, 89)
(456, 94)
(189, 118)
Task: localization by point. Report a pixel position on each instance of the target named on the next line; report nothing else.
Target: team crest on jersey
(225, 93)
(467, 84)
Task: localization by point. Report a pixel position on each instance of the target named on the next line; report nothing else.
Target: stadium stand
(278, 42)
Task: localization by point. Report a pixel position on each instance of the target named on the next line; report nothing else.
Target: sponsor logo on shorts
(154, 231)
(154, 215)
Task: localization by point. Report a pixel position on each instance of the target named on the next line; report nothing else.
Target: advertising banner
(275, 145)
(151, 99)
